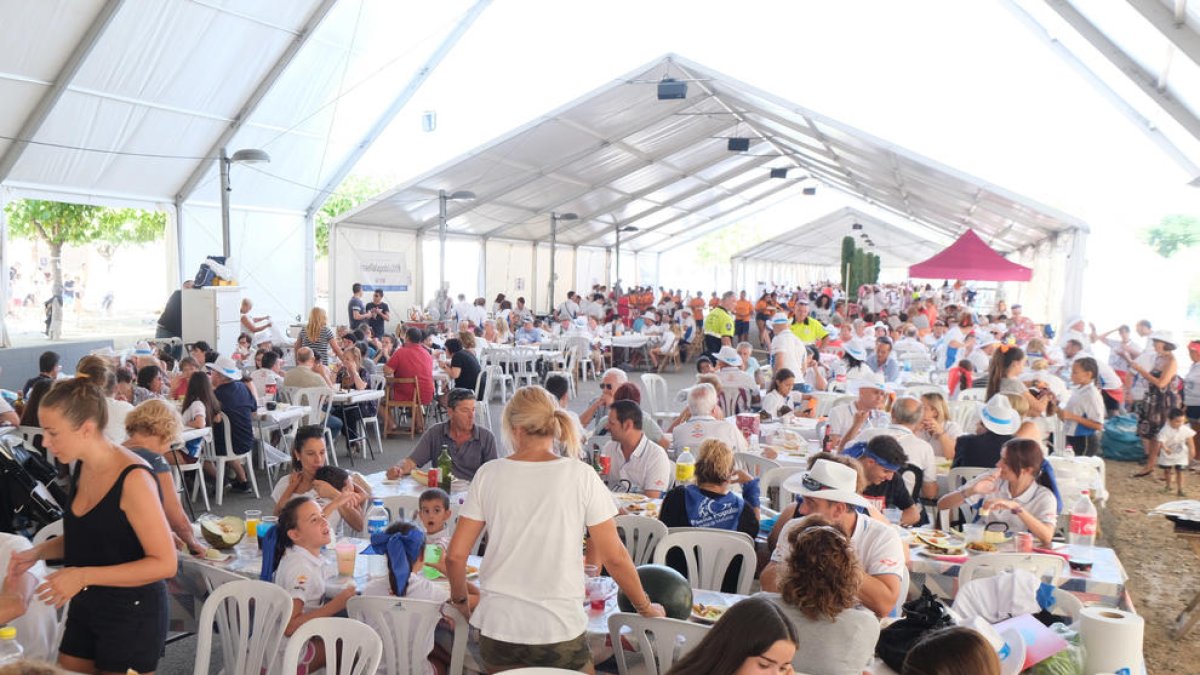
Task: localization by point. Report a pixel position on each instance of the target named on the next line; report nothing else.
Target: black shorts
(1193, 413)
(740, 327)
(570, 654)
(118, 628)
(762, 317)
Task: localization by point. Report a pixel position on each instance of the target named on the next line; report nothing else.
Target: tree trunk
(56, 292)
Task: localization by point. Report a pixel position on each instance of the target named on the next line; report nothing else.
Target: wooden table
(1191, 614)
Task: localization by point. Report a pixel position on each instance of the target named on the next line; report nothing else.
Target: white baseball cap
(869, 380)
(780, 319)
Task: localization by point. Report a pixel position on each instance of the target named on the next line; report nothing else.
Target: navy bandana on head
(403, 549)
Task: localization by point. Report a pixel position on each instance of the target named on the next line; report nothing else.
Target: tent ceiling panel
(677, 177)
(819, 242)
(37, 46)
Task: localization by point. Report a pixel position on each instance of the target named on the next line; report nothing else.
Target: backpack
(923, 615)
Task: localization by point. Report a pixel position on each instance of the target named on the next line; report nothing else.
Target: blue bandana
(402, 549)
(859, 450)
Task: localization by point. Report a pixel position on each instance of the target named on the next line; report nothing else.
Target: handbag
(921, 616)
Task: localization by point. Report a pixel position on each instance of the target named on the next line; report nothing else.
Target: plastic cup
(597, 590)
(433, 553)
(591, 571)
(893, 515)
(973, 532)
(346, 555)
(265, 526)
(252, 519)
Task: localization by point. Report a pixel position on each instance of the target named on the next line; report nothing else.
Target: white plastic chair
(753, 464)
(918, 390)
(522, 365)
(351, 647)
(48, 532)
(1041, 565)
(641, 536)
(317, 399)
(958, 477)
(373, 421)
(972, 394)
(485, 386)
(210, 577)
(197, 468)
(774, 478)
(660, 642)
(709, 553)
(405, 625)
(250, 617)
(654, 390)
(402, 507)
(965, 413)
(247, 458)
(825, 401)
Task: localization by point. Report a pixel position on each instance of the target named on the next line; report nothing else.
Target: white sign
(381, 270)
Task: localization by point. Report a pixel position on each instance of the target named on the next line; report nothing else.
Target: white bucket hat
(1164, 336)
(729, 355)
(827, 480)
(225, 366)
(650, 316)
(999, 417)
(143, 349)
(780, 319)
(855, 348)
(870, 380)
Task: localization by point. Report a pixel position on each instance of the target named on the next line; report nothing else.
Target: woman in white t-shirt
(937, 429)
(1017, 494)
(535, 505)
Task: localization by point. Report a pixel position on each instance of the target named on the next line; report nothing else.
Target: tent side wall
(1055, 291)
(376, 257)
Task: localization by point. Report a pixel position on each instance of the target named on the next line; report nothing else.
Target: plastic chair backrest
(972, 394)
(210, 577)
(660, 641)
(317, 400)
(825, 402)
(709, 553)
(50, 531)
(655, 389)
(250, 617)
(966, 414)
(773, 479)
(402, 507)
(753, 464)
(1041, 565)
(406, 627)
(641, 536)
(351, 647)
(961, 475)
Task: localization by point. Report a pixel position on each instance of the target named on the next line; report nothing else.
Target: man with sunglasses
(596, 413)
(828, 488)
(469, 444)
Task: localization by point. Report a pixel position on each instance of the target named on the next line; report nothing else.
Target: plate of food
(422, 477)
(213, 555)
(707, 614)
(647, 507)
(390, 481)
(981, 547)
(630, 497)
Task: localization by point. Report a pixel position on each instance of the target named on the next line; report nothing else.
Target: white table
(347, 397)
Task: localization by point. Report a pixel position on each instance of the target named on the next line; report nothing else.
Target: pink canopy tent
(970, 259)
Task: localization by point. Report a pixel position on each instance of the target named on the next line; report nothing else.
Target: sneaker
(240, 486)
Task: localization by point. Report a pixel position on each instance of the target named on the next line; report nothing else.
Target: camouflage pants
(572, 654)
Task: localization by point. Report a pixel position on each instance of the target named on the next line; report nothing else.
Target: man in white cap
(701, 425)
(237, 411)
(787, 351)
(828, 489)
(907, 414)
(846, 421)
(1000, 422)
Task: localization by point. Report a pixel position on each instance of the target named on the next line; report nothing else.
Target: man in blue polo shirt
(237, 410)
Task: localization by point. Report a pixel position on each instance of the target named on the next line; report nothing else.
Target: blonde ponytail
(567, 434)
(533, 410)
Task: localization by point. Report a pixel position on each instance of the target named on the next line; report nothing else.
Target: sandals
(1143, 474)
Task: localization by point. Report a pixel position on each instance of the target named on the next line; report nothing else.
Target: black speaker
(669, 89)
(779, 173)
(810, 191)
(739, 144)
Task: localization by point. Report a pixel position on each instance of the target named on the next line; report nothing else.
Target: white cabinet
(213, 314)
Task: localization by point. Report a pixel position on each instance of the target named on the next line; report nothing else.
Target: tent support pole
(533, 278)
(483, 267)
(418, 275)
(607, 267)
(310, 253)
(553, 247)
(442, 239)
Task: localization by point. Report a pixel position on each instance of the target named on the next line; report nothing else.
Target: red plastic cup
(605, 464)
(1024, 542)
(433, 478)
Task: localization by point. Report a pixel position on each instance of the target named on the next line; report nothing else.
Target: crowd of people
(834, 562)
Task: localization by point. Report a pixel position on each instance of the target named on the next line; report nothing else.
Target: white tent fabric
(620, 157)
(129, 102)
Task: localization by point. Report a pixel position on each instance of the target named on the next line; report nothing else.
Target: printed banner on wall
(382, 270)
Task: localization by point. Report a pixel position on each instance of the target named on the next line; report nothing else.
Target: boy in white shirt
(434, 511)
(1178, 449)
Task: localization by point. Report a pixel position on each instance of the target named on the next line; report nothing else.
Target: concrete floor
(180, 655)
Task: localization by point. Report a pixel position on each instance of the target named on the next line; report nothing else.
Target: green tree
(847, 260)
(352, 192)
(61, 223)
(1172, 233)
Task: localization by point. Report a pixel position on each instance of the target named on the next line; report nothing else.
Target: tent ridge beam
(45, 106)
(1176, 31)
(252, 102)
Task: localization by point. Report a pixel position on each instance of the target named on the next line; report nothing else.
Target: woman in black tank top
(116, 545)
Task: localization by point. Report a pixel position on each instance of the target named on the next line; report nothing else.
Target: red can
(433, 478)
(1024, 542)
(605, 464)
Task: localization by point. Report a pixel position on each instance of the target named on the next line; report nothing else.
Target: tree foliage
(1172, 233)
(858, 266)
(353, 191)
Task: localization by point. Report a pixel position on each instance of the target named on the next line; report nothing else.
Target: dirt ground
(1162, 569)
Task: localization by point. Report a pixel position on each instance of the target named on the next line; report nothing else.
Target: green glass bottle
(444, 466)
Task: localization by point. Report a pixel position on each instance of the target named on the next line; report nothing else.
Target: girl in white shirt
(1017, 494)
(781, 400)
(1083, 415)
(296, 543)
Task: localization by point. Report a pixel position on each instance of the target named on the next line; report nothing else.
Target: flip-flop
(1143, 474)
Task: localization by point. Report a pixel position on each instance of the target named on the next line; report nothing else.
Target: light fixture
(863, 235)
(670, 89)
(810, 191)
(856, 226)
(443, 198)
(737, 144)
(779, 173)
(244, 156)
(554, 218)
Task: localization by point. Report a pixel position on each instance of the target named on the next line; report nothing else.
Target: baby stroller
(29, 497)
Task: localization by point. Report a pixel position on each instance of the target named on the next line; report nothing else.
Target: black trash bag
(923, 615)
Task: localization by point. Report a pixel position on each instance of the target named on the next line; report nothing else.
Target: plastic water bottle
(685, 466)
(1082, 534)
(377, 521)
(10, 649)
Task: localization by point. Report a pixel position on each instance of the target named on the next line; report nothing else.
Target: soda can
(1024, 542)
(605, 464)
(433, 478)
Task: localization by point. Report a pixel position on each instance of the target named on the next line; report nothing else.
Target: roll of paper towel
(1112, 640)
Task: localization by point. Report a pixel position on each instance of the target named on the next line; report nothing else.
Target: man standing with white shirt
(787, 351)
(633, 458)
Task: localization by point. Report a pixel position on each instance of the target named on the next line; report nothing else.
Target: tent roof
(970, 258)
(129, 100)
(819, 242)
(620, 156)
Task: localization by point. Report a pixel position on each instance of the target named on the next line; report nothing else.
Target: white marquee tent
(621, 158)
